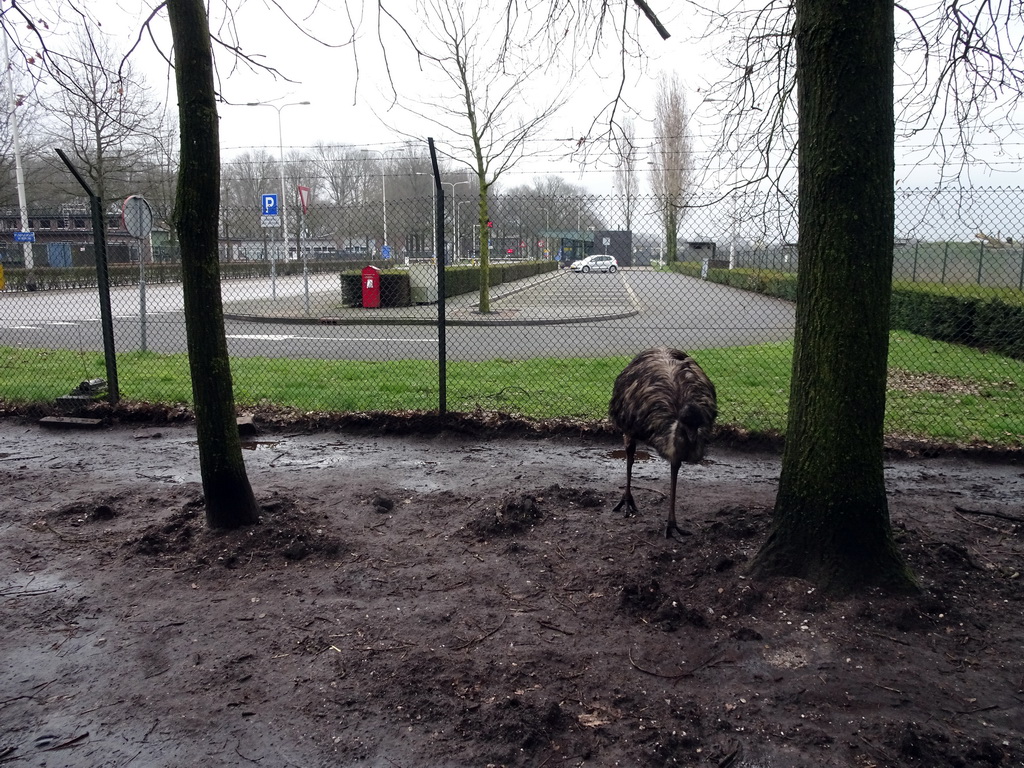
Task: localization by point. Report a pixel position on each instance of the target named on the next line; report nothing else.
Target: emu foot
(672, 527)
(628, 503)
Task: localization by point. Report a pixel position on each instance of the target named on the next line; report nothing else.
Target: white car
(599, 262)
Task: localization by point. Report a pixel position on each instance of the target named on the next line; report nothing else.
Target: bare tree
(230, 502)
(831, 521)
(342, 172)
(486, 71)
(104, 117)
(671, 158)
(243, 180)
(965, 61)
(959, 63)
(627, 176)
(158, 177)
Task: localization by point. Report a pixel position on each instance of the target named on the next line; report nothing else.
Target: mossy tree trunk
(485, 252)
(831, 519)
(229, 498)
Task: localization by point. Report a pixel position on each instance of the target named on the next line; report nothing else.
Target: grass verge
(937, 391)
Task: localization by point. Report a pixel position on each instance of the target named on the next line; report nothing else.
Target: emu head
(694, 430)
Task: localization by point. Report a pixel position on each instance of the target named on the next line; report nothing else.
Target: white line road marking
(38, 327)
(289, 337)
(632, 294)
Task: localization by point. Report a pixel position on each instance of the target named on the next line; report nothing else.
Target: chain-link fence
(309, 327)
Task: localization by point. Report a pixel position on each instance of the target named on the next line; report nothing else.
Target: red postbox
(371, 287)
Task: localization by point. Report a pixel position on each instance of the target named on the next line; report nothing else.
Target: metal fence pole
(439, 251)
(99, 231)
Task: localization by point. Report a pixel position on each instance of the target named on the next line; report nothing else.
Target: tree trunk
(671, 233)
(831, 520)
(229, 498)
(485, 255)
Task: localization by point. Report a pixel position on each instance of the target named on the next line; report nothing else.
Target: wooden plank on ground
(69, 422)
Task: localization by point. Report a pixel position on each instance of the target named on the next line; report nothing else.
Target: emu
(664, 399)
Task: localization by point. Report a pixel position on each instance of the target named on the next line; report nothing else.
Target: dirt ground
(454, 599)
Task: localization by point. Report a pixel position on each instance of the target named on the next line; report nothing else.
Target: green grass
(941, 391)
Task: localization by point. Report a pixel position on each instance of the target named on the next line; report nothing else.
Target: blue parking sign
(270, 205)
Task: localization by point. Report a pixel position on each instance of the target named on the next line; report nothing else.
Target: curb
(423, 319)
(427, 321)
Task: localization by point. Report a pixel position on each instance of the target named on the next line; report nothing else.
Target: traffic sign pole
(270, 218)
(137, 217)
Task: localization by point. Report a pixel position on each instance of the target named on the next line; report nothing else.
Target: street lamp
(284, 194)
(458, 218)
(455, 206)
(384, 197)
(26, 245)
(433, 188)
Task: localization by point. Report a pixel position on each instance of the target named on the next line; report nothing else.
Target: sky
(350, 99)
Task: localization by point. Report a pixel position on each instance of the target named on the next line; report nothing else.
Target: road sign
(304, 198)
(24, 237)
(270, 221)
(269, 206)
(137, 216)
(385, 252)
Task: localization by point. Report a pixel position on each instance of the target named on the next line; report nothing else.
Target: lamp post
(455, 205)
(384, 197)
(284, 193)
(458, 217)
(26, 245)
(433, 188)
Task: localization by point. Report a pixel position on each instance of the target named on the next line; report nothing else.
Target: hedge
(984, 318)
(395, 290)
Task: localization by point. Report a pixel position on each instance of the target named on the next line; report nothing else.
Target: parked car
(598, 262)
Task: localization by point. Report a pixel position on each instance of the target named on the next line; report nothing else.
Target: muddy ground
(453, 599)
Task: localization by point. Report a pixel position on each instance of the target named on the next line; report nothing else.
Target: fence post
(99, 233)
(913, 277)
(439, 254)
(945, 259)
(981, 260)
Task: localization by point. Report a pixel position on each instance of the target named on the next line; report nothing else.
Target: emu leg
(672, 506)
(627, 497)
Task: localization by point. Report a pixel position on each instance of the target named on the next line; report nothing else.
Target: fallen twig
(482, 637)
(29, 592)
(978, 523)
(710, 661)
(1000, 515)
(552, 627)
(889, 638)
(69, 743)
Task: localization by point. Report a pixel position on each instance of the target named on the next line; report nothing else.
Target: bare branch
(653, 19)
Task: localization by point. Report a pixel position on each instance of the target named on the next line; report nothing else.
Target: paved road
(559, 315)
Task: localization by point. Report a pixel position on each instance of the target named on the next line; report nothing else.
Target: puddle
(621, 454)
(258, 445)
